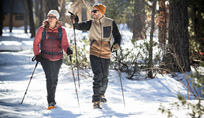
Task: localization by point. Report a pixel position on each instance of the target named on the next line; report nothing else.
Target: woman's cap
(55, 13)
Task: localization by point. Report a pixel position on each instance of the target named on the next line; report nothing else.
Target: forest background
(179, 26)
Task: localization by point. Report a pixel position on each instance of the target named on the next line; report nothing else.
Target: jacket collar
(102, 20)
(57, 27)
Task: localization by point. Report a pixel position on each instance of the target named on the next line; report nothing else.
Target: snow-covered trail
(142, 98)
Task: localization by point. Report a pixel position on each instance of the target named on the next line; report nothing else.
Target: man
(101, 29)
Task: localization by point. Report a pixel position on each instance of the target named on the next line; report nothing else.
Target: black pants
(100, 68)
(51, 69)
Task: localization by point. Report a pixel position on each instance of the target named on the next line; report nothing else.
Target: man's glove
(38, 58)
(69, 51)
(116, 46)
(74, 17)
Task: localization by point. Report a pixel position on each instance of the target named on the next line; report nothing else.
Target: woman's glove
(38, 58)
(69, 51)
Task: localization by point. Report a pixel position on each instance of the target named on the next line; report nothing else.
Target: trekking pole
(120, 77)
(74, 82)
(76, 50)
(33, 59)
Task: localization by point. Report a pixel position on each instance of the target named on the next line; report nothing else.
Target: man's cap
(101, 8)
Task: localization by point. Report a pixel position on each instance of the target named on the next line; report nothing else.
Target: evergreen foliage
(117, 9)
(82, 53)
(196, 29)
(197, 109)
(134, 60)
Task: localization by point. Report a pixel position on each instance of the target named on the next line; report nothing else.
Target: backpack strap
(60, 34)
(43, 37)
(51, 52)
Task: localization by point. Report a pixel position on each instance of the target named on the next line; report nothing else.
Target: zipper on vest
(101, 38)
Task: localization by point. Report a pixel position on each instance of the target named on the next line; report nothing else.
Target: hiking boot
(51, 105)
(96, 105)
(103, 99)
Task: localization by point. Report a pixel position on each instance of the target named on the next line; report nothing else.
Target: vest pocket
(106, 31)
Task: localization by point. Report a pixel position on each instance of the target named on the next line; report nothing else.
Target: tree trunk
(37, 9)
(178, 36)
(162, 24)
(25, 16)
(139, 31)
(62, 9)
(42, 12)
(151, 39)
(78, 9)
(11, 16)
(31, 21)
(38, 6)
(51, 5)
(88, 7)
(1, 16)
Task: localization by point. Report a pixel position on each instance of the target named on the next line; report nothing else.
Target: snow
(142, 98)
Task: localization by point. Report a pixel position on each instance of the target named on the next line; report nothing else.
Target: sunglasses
(98, 7)
(94, 11)
(51, 17)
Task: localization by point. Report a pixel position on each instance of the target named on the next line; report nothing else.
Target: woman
(49, 41)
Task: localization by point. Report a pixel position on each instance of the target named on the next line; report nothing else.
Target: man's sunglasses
(94, 11)
(51, 17)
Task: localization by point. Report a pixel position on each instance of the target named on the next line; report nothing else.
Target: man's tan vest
(100, 37)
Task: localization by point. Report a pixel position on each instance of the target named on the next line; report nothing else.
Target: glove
(69, 51)
(38, 58)
(74, 18)
(116, 46)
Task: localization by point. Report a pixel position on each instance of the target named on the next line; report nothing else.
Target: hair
(46, 27)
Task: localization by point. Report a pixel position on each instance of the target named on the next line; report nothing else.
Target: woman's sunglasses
(51, 17)
(94, 11)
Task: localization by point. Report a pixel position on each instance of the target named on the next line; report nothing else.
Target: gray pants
(51, 69)
(100, 68)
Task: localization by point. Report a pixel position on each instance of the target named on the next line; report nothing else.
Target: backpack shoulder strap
(60, 34)
(43, 37)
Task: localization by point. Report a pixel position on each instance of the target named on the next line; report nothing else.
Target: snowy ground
(142, 98)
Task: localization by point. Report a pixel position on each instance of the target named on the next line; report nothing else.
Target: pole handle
(70, 58)
(70, 12)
